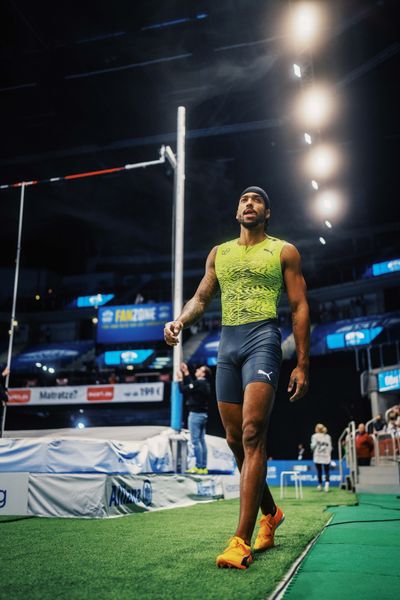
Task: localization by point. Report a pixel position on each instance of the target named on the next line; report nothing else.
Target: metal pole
(176, 396)
(14, 302)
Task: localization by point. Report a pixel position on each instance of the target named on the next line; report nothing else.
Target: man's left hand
(299, 380)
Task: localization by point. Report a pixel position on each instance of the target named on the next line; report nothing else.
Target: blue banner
(389, 380)
(389, 266)
(96, 300)
(306, 470)
(133, 323)
(126, 357)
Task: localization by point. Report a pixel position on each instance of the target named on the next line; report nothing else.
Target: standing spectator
(321, 446)
(378, 423)
(197, 393)
(364, 446)
(3, 397)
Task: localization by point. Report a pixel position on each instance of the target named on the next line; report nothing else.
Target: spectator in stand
(321, 446)
(197, 393)
(364, 446)
(300, 452)
(378, 423)
(392, 426)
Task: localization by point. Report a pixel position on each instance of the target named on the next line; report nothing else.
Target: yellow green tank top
(251, 281)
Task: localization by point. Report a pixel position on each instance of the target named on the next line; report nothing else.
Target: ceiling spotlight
(44, 368)
(314, 184)
(322, 161)
(51, 370)
(328, 224)
(315, 106)
(95, 320)
(80, 425)
(322, 240)
(297, 70)
(306, 21)
(38, 365)
(37, 297)
(308, 139)
(130, 367)
(328, 203)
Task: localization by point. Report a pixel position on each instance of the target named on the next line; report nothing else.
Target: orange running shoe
(237, 554)
(268, 525)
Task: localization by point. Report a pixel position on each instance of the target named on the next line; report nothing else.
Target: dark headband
(260, 192)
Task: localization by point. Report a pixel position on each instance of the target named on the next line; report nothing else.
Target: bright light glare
(322, 161)
(315, 107)
(328, 204)
(322, 240)
(314, 184)
(130, 367)
(38, 365)
(95, 320)
(80, 425)
(297, 70)
(44, 368)
(52, 370)
(328, 224)
(308, 139)
(305, 23)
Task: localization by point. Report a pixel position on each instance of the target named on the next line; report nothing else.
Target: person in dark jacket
(3, 397)
(197, 393)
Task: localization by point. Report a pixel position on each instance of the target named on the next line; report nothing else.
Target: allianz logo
(3, 498)
(121, 494)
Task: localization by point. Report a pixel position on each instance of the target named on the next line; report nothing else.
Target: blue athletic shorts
(249, 352)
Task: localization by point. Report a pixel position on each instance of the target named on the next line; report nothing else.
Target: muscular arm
(195, 307)
(296, 291)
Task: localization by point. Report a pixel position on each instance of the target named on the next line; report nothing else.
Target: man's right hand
(172, 331)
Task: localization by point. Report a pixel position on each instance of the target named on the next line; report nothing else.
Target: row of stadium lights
(315, 106)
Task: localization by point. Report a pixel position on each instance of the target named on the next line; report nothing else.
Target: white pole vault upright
(179, 200)
(14, 302)
(178, 165)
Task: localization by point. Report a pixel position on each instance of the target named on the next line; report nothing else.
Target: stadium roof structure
(91, 86)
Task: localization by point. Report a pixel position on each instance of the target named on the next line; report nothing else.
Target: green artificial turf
(165, 554)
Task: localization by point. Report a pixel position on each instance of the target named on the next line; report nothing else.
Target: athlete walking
(251, 272)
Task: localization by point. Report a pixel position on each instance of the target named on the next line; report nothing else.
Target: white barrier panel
(125, 494)
(100, 496)
(13, 493)
(90, 394)
(231, 486)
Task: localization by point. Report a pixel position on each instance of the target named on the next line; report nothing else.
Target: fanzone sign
(132, 323)
(122, 392)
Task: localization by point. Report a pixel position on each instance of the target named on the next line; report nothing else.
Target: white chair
(298, 486)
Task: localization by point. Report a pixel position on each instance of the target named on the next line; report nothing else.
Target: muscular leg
(246, 428)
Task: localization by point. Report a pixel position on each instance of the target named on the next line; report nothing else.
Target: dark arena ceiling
(91, 85)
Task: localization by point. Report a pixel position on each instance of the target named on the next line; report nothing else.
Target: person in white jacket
(321, 446)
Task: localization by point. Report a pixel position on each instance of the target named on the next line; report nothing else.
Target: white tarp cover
(71, 454)
(100, 496)
(76, 455)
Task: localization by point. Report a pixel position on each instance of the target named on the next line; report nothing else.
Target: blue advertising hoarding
(388, 266)
(133, 323)
(95, 300)
(389, 380)
(126, 357)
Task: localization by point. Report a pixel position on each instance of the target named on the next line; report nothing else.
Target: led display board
(133, 323)
(388, 266)
(389, 380)
(352, 337)
(126, 357)
(96, 300)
